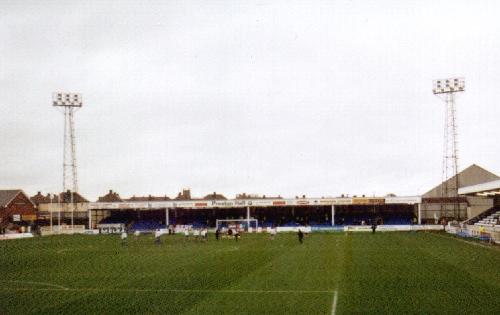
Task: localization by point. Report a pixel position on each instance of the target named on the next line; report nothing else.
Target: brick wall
(19, 205)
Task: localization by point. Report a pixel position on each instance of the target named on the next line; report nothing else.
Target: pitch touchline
(61, 288)
(334, 303)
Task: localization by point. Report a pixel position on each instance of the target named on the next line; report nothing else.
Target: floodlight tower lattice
(446, 89)
(69, 103)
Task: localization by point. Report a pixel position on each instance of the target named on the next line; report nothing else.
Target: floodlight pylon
(69, 103)
(446, 89)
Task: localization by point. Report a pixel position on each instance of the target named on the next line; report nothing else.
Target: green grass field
(385, 273)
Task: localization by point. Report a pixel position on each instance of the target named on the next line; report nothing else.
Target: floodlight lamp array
(67, 99)
(450, 85)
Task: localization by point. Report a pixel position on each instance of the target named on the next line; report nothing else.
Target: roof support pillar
(333, 215)
(419, 213)
(167, 218)
(248, 217)
(90, 218)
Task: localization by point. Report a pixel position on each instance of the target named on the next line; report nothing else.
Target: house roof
(148, 198)
(254, 196)
(39, 198)
(111, 196)
(215, 196)
(472, 175)
(77, 198)
(6, 196)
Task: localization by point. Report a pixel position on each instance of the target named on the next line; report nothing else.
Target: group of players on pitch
(202, 234)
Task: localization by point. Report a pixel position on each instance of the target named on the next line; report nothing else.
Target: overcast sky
(268, 97)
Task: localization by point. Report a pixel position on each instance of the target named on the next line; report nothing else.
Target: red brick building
(16, 208)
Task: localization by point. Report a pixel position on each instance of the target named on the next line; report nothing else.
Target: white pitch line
(465, 241)
(161, 290)
(334, 303)
(60, 287)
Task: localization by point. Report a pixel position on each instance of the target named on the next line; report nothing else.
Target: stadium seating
(319, 224)
(146, 226)
(266, 224)
(198, 225)
(114, 220)
(290, 224)
(398, 220)
(490, 217)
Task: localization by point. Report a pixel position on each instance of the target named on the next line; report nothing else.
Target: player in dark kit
(217, 233)
(301, 236)
(374, 226)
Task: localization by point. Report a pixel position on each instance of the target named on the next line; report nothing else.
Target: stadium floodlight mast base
(446, 90)
(69, 103)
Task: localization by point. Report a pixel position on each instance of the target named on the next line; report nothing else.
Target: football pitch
(338, 273)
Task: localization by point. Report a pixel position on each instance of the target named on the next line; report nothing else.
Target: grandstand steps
(490, 217)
